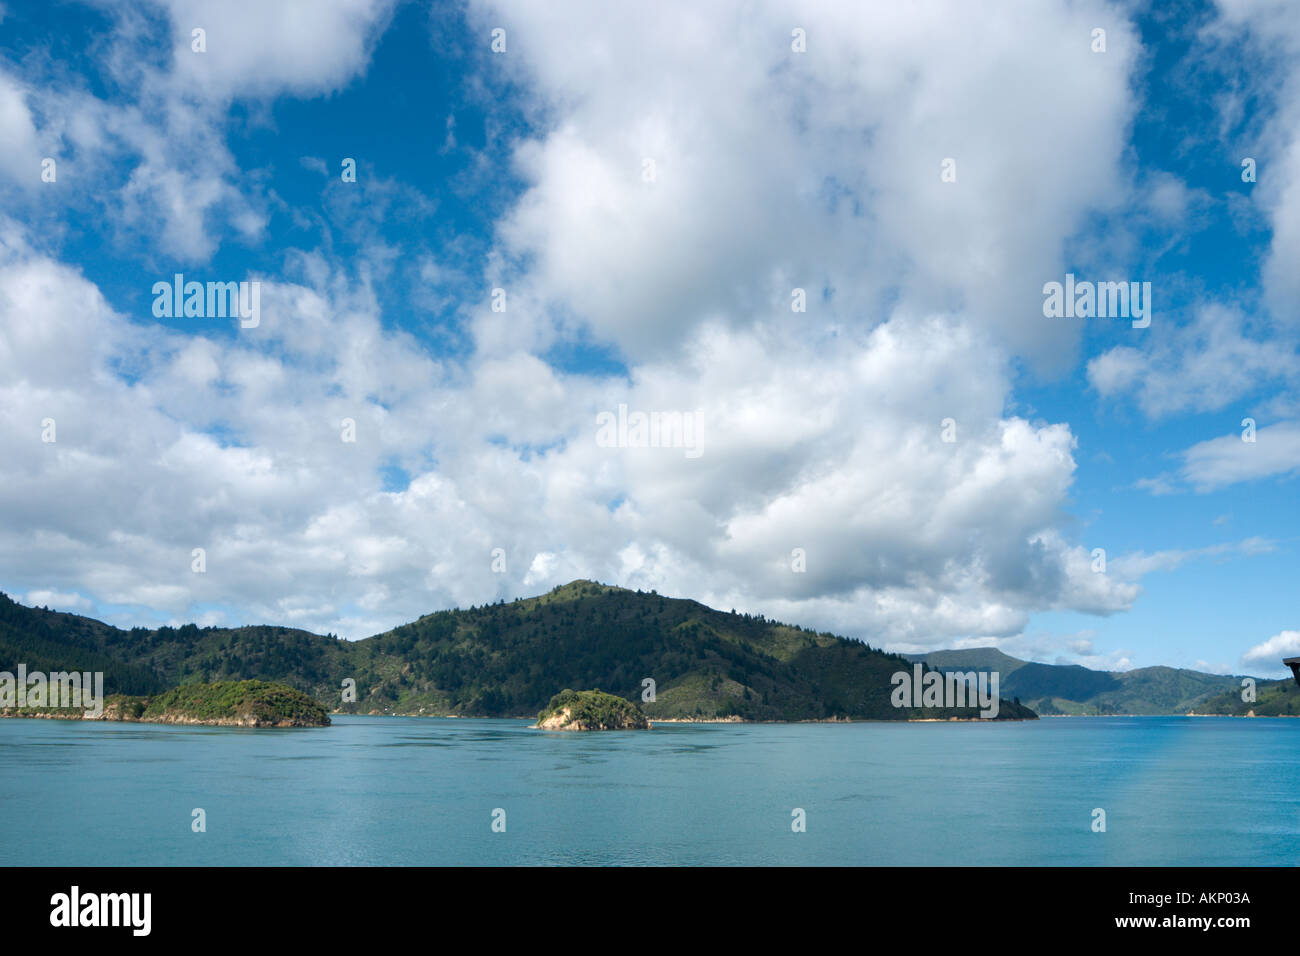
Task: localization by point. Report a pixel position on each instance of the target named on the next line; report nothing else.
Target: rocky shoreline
(245, 721)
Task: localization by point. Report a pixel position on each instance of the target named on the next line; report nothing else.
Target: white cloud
(823, 429)
(1268, 654)
(838, 451)
(1203, 366)
(255, 48)
(1227, 460)
(20, 158)
(776, 170)
(1139, 564)
(152, 160)
(1271, 32)
(59, 601)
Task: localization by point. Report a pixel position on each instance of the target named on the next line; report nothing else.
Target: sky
(819, 237)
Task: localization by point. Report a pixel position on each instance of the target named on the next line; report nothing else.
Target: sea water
(420, 791)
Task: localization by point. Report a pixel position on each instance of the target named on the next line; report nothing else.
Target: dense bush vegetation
(594, 710)
(1280, 699)
(266, 702)
(507, 659)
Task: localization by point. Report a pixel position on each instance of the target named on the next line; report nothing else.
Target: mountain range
(1056, 689)
(676, 657)
(505, 660)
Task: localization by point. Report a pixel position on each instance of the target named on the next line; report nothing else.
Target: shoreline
(742, 720)
(172, 720)
(287, 725)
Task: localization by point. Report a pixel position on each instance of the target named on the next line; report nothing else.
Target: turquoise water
(392, 790)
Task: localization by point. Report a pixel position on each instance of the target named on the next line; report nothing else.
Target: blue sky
(647, 189)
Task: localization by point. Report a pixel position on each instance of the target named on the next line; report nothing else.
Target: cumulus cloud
(774, 170)
(253, 48)
(1268, 655)
(235, 445)
(825, 431)
(1204, 366)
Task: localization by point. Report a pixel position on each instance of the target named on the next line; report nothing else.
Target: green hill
(591, 710)
(51, 641)
(1272, 699)
(249, 703)
(506, 659)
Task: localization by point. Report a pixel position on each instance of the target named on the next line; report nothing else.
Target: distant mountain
(1066, 681)
(971, 658)
(1052, 689)
(504, 659)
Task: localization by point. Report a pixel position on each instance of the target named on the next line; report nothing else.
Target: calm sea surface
(393, 790)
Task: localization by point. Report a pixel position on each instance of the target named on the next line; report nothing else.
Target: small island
(245, 703)
(591, 710)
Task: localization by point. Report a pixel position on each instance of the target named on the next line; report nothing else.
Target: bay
(422, 791)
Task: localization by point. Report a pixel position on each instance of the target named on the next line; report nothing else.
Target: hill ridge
(1057, 689)
(507, 659)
